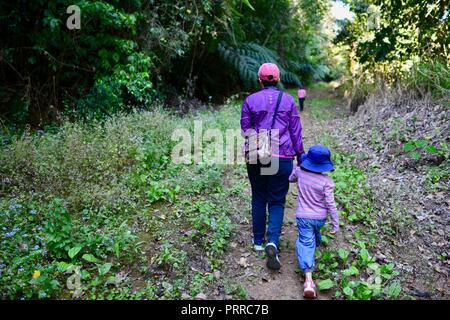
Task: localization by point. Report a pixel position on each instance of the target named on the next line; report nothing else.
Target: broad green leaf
(327, 255)
(348, 291)
(352, 271)
(63, 266)
(421, 143)
(374, 266)
(376, 292)
(325, 284)
(74, 251)
(364, 254)
(387, 268)
(409, 147)
(431, 149)
(343, 254)
(394, 290)
(90, 258)
(104, 268)
(386, 276)
(415, 155)
(85, 274)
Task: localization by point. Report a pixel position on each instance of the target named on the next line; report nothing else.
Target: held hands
(334, 229)
(299, 161)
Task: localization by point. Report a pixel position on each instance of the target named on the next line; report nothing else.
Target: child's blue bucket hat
(318, 159)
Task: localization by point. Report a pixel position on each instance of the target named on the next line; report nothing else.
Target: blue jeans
(308, 238)
(269, 192)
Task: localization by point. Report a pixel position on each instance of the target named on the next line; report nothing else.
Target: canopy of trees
(391, 38)
(127, 54)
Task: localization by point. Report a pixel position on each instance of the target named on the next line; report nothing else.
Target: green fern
(246, 59)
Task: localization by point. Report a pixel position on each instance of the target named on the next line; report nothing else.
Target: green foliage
(298, 47)
(325, 284)
(96, 71)
(430, 76)
(360, 278)
(237, 290)
(350, 190)
(416, 147)
(437, 178)
(212, 227)
(23, 271)
(94, 199)
(200, 282)
(247, 58)
(170, 257)
(59, 232)
(127, 55)
(399, 40)
(128, 87)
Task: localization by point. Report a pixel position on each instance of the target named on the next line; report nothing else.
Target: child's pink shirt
(301, 93)
(315, 196)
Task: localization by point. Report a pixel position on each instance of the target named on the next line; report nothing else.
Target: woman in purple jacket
(269, 191)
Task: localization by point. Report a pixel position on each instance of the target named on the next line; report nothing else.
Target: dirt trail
(250, 268)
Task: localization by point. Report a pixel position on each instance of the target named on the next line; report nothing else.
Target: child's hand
(333, 232)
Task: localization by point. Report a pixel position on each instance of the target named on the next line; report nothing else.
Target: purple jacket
(257, 113)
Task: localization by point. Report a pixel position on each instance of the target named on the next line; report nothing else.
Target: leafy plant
(325, 284)
(414, 148)
(170, 257)
(58, 230)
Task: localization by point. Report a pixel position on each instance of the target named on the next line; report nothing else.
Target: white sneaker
(258, 247)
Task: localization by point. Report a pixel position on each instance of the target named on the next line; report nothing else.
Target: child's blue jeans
(309, 238)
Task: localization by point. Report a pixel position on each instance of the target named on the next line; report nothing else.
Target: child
(315, 200)
(301, 96)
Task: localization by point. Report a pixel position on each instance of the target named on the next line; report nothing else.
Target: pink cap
(269, 71)
(301, 93)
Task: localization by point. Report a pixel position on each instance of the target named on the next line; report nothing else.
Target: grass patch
(88, 210)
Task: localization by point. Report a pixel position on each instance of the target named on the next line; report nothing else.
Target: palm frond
(247, 58)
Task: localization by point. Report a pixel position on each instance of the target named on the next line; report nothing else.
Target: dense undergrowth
(91, 209)
(392, 172)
